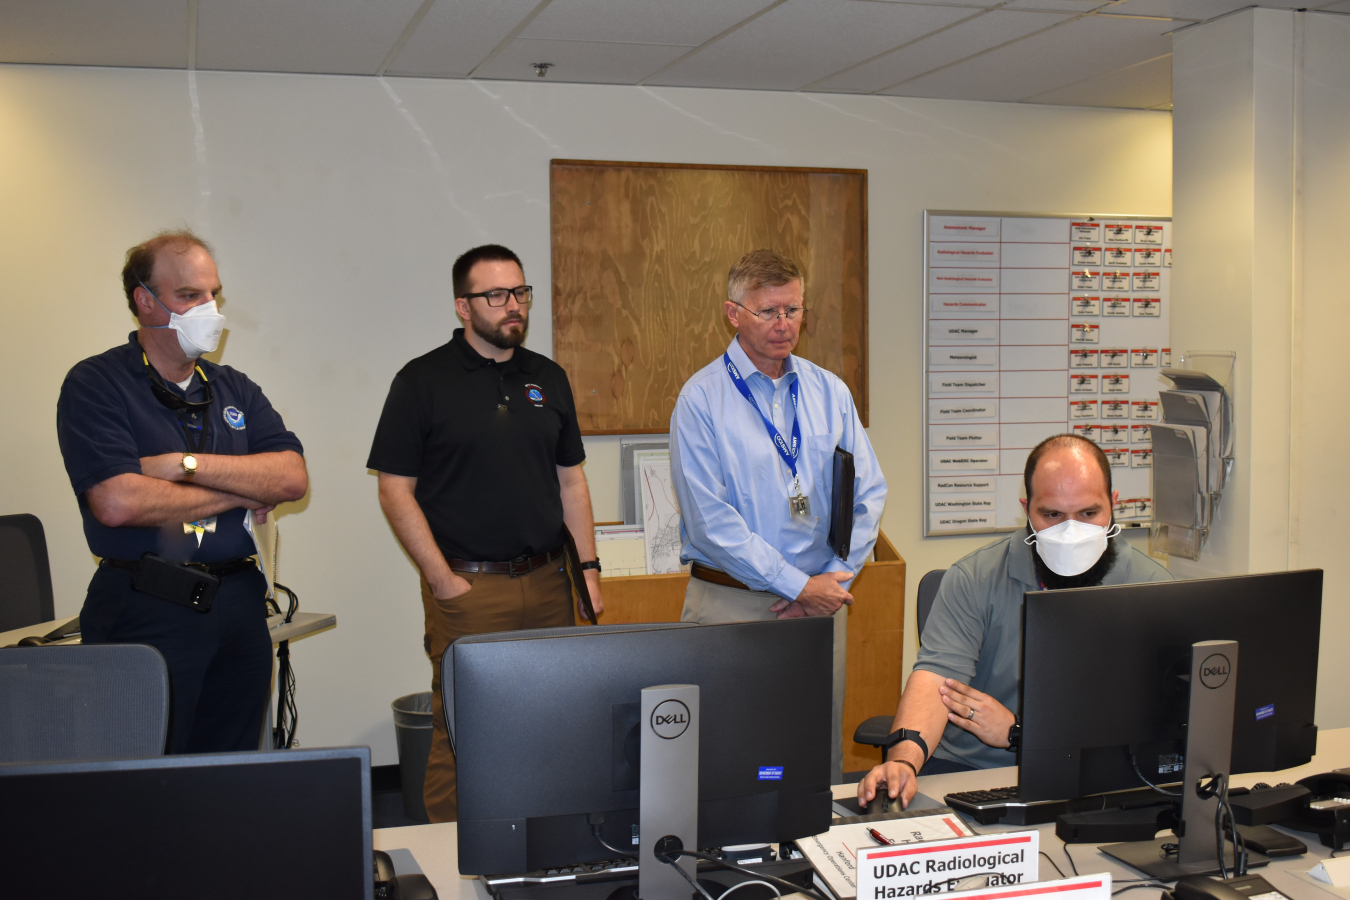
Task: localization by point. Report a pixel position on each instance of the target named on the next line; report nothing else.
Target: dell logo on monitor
(1214, 671)
(670, 719)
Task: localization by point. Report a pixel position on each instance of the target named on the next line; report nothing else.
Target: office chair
(96, 701)
(25, 574)
(875, 730)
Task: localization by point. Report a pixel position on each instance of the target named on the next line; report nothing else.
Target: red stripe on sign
(1033, 892)
(956, 829)
(946, 847)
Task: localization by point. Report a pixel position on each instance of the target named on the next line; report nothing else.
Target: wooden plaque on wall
(641, 253)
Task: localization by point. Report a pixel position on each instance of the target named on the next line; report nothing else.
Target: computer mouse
(415, 887)
(1202, 887)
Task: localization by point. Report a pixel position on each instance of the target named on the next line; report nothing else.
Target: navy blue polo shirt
(107, 418)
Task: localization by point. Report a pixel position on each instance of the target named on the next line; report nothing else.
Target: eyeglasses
(791, 313)
(497, 297)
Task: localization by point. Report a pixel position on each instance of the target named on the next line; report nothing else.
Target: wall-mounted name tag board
(641, 253)
(1035, 326)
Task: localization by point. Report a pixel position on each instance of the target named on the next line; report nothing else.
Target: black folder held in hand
(841, 503)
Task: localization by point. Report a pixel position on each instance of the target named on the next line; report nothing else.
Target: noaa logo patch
(535, 393)
(234, 418)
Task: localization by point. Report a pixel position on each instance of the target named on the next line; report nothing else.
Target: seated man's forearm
(131, 500)
(920, 709)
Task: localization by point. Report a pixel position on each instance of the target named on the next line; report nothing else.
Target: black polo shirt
(107, 419)
(484, 440)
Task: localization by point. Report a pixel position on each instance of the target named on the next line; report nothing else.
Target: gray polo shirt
(974, 631)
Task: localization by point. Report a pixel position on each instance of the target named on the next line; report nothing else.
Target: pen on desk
(880, 838)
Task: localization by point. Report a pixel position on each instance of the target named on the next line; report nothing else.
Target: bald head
(1068, 477)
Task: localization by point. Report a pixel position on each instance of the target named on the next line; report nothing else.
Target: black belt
(515, 568)
(218, 570)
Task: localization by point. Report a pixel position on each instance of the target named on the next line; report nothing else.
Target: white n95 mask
(1071, 547)
(198, 329)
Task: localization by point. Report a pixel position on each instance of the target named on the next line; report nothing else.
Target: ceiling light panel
(1070, 53)
(599, 62)
(1197, 9)
(457, 35)
(686, 22)
(803, 41)
(1146, 85)
(150, 33)
(328, 36)
(980, 32)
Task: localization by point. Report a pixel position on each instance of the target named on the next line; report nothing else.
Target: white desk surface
(433, 847)
(302, 625)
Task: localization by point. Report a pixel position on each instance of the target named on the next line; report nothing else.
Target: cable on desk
(1134, 763)
(288, 715)
(737, 887)
(725, 864)
(1142, 884)
(672, 861)
(1052, 863)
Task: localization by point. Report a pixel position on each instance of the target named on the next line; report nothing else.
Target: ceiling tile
(803, 41)
(1077, 6)
(688, 22)
(1337, 6)
(457, 35)
(588, 61)
(151, 33)
(327, 36)
(980, 32)
(1073, 52)
(1145, 85)
(1197, 9)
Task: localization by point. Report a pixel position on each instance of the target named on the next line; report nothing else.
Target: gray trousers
(713, 604)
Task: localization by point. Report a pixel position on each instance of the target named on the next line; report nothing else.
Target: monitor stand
(1209, 749)
(668, 789)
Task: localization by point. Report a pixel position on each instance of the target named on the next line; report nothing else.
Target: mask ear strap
(1031, 538)
(1113, 531)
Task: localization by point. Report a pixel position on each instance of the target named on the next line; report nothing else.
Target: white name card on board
(954, 462)
(948, 410)
(940, 436)
(962, 331)
(941, 867)
(963, 357)
(963, 280)
(963, 484)
(963, 228)
(949, 305)
(962, 502)
(959, 521)
(963, 383)
(1335, 872)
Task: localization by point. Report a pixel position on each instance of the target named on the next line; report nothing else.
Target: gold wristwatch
(189, 465)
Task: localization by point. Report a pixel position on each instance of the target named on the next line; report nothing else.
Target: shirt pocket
(820, 459)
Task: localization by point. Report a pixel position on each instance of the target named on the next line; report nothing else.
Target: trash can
(412, 730)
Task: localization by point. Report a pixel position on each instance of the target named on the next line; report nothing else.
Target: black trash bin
(412, 730)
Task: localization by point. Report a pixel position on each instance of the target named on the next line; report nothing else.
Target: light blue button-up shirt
(733, 485)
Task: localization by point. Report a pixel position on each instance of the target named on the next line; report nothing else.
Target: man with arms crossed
(964, 685)
(168, 454)
(479, 458)
(751, 451)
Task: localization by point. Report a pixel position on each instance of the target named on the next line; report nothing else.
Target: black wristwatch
(1014, 735)
(905, 734)
(592, 564)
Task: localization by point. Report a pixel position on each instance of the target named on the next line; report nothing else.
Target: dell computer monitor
(1105, 678)
(547, 738)
(290, 823)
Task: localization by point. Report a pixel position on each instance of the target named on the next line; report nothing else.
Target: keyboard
(1000, 806)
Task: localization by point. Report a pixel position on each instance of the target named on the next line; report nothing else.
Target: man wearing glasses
(170, 455)
(479, 459)
(752, 446)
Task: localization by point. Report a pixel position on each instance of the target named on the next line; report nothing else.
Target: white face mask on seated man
(1071, 547)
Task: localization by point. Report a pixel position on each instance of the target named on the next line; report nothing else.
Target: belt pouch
(184, 585)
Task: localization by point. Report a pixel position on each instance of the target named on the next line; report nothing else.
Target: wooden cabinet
(875, 635)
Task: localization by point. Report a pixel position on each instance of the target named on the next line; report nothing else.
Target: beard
(1090, 578)
(499, 336)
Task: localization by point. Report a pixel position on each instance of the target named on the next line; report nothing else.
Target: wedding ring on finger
(970, 714)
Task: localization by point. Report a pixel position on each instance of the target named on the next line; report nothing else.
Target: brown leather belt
(717, 576)
(515, 568)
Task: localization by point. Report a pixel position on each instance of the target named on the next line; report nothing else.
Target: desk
(435, 850)
(302, 625)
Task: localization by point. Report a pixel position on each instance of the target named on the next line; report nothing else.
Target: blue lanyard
(789, 454)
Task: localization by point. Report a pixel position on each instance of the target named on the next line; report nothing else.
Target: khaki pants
(538, 599)
(714, 604)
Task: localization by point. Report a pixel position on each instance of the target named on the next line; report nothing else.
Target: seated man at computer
(957, 708)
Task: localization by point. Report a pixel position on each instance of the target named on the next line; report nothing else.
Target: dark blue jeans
(220, 662)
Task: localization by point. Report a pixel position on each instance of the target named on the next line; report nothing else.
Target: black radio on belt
(184, 585)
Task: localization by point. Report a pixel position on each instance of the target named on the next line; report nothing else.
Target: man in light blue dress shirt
(753, 476)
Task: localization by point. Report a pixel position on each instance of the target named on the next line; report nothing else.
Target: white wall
(338, 205)
(1262, 169)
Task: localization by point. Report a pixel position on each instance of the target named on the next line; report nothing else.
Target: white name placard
(940, 867)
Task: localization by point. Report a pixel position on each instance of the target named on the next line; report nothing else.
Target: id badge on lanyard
(799, 505)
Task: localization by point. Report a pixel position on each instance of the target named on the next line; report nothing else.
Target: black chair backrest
(928, 588)
(82, 701)
(25, 573)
